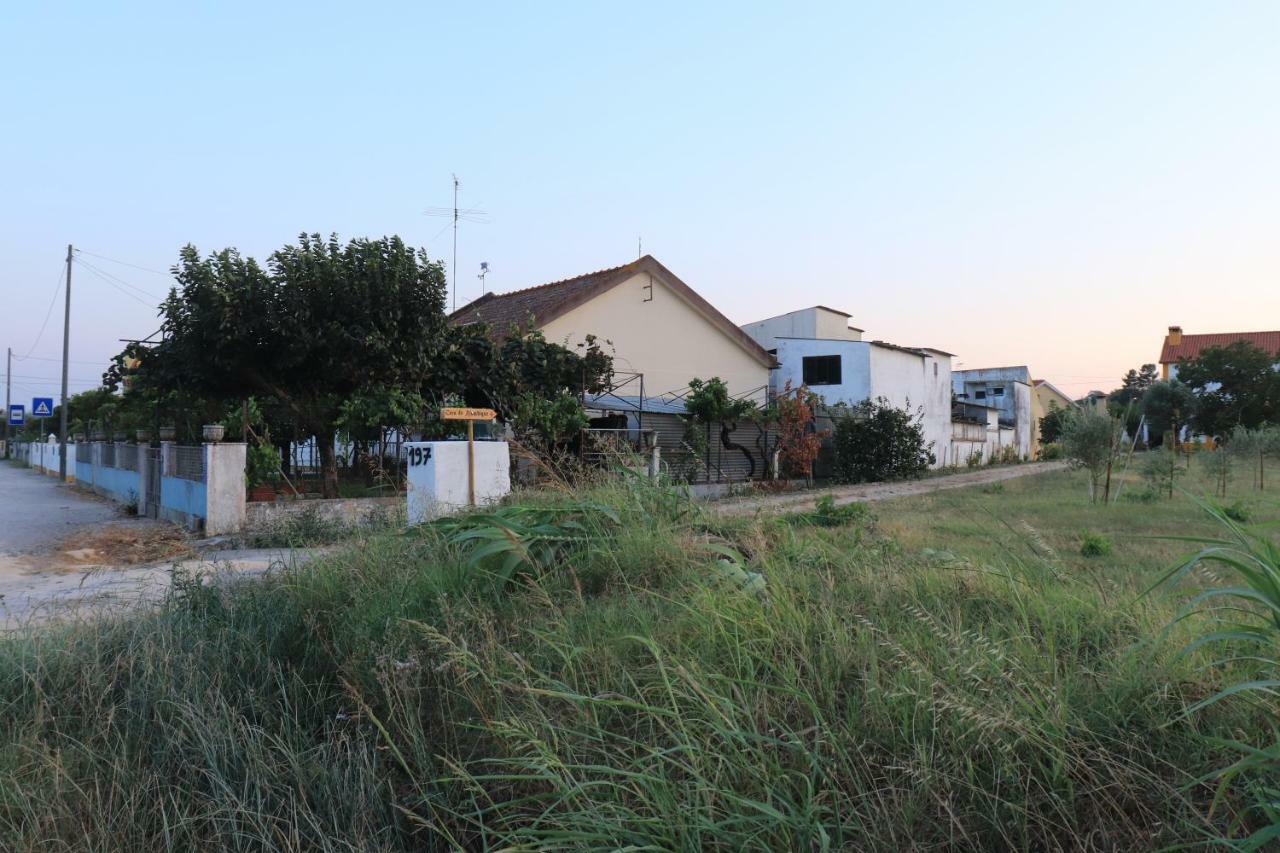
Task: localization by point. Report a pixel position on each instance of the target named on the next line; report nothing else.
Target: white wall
(438, 479)
(855, 371)
(916, 382)
(665, 338)
(813, 322)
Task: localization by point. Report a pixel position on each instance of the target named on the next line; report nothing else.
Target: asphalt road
(37, 512)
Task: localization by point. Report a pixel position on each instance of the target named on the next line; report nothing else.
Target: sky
(1017, 183)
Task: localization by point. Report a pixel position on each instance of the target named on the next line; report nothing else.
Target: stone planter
(79, 437)
(143, 436)
(99, 435)
(118, 437)
(168, 433)
(213, 432)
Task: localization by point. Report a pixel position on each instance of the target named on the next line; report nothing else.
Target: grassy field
(952, 674)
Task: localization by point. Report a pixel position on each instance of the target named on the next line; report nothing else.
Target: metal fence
(108, 455)
(188, 463)
(127, 457)
(84, 452)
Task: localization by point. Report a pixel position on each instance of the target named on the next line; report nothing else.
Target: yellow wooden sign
(461, 413)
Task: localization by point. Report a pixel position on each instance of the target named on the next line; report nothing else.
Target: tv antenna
(484, 271)
(457, 214)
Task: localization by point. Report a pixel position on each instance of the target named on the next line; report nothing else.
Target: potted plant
(168, 432)
(98, 435)
(79, 437)
(143, 435)
(213, 432)
(118, 436)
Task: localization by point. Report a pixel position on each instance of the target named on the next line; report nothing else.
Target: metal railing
(127, 457)
(108, 455)
(84, 451)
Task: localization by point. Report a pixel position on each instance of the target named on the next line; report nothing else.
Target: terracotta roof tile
(539, 304)
(1192, 345)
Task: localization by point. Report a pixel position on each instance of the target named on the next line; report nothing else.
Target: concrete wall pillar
(224, 487)
(167, 461)
(438, 476)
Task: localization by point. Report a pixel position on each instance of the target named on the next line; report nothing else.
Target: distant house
(1095, 400)
(659, 328)
(817, 347)
(1179, 347)
(1008, 391)
(1045, 397)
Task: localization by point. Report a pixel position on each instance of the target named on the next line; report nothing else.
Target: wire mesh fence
(188, 463)
(127, 457)
(108, 456)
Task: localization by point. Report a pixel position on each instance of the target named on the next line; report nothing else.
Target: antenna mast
(456, 214)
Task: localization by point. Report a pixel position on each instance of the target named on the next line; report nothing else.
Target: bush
(826, 514)
(1094, 544)
(1237, 512)
(1050, 451)
(875, 442)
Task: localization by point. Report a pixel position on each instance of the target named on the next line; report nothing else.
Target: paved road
(798, 501)
(37, 511)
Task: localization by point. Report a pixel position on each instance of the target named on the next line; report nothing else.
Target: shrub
(1090, 440)
(1237, 512)
(1094, 544)
(1050, 451)
(826, 514)
(874, 441)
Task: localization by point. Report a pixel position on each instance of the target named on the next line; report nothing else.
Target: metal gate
(152, 509)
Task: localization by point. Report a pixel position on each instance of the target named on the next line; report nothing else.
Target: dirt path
(797, 501)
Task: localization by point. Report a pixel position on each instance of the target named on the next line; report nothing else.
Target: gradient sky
(1041, 184)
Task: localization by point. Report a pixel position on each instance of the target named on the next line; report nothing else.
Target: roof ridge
(564, 280)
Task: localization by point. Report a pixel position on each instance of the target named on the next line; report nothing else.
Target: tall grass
(622, 694)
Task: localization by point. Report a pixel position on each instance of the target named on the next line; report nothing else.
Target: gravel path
(796, 501)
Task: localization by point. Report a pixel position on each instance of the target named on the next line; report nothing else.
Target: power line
(131, 295)
(58, 360)
(122, 263)
(117, 279)
(47, 315)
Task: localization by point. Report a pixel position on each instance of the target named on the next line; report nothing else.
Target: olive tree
(1091, 440)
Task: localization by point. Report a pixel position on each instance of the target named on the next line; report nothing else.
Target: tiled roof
(1192, 345)
(535, 307)
(538, 305)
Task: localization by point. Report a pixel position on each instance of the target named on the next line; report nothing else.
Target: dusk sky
(1040, 184)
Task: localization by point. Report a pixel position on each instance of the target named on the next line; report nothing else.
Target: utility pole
(8, 381)
(454, 269)
(66, 350)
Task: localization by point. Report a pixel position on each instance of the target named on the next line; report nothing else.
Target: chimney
(1175, 336)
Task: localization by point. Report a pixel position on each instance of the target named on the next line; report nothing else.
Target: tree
(875, 441)
(1133, 385)
(709, 403)
(321, 323)
(798, 441)
(1091, 440)
(1052, 423)
(1167, 406)
(1235, 384)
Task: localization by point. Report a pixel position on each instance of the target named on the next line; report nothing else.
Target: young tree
(1091, 440)
(709, 403)
(1235, 384)
(799, 441)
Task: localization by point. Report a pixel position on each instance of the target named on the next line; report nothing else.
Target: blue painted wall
(183, 496)
(118, 484)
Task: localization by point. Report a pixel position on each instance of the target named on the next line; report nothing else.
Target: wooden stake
(471, 463)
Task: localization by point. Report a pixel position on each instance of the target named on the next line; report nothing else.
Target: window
(821, 370)
(935, 368)
(997, 391)
(980, 395)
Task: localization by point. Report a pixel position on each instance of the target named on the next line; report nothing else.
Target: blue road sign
(17, 414)
(42, 407)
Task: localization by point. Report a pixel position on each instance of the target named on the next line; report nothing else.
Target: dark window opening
(980, 395)
(997, 391)
(821, 370)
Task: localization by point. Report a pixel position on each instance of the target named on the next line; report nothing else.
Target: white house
(817, 347)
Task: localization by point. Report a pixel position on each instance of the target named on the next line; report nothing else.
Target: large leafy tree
(1168, 405)
(708, 402)
(1235, 385)
(329, 334)
(321, 322)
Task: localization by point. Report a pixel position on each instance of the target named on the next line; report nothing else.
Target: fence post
(655, 461)
(224, 465)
